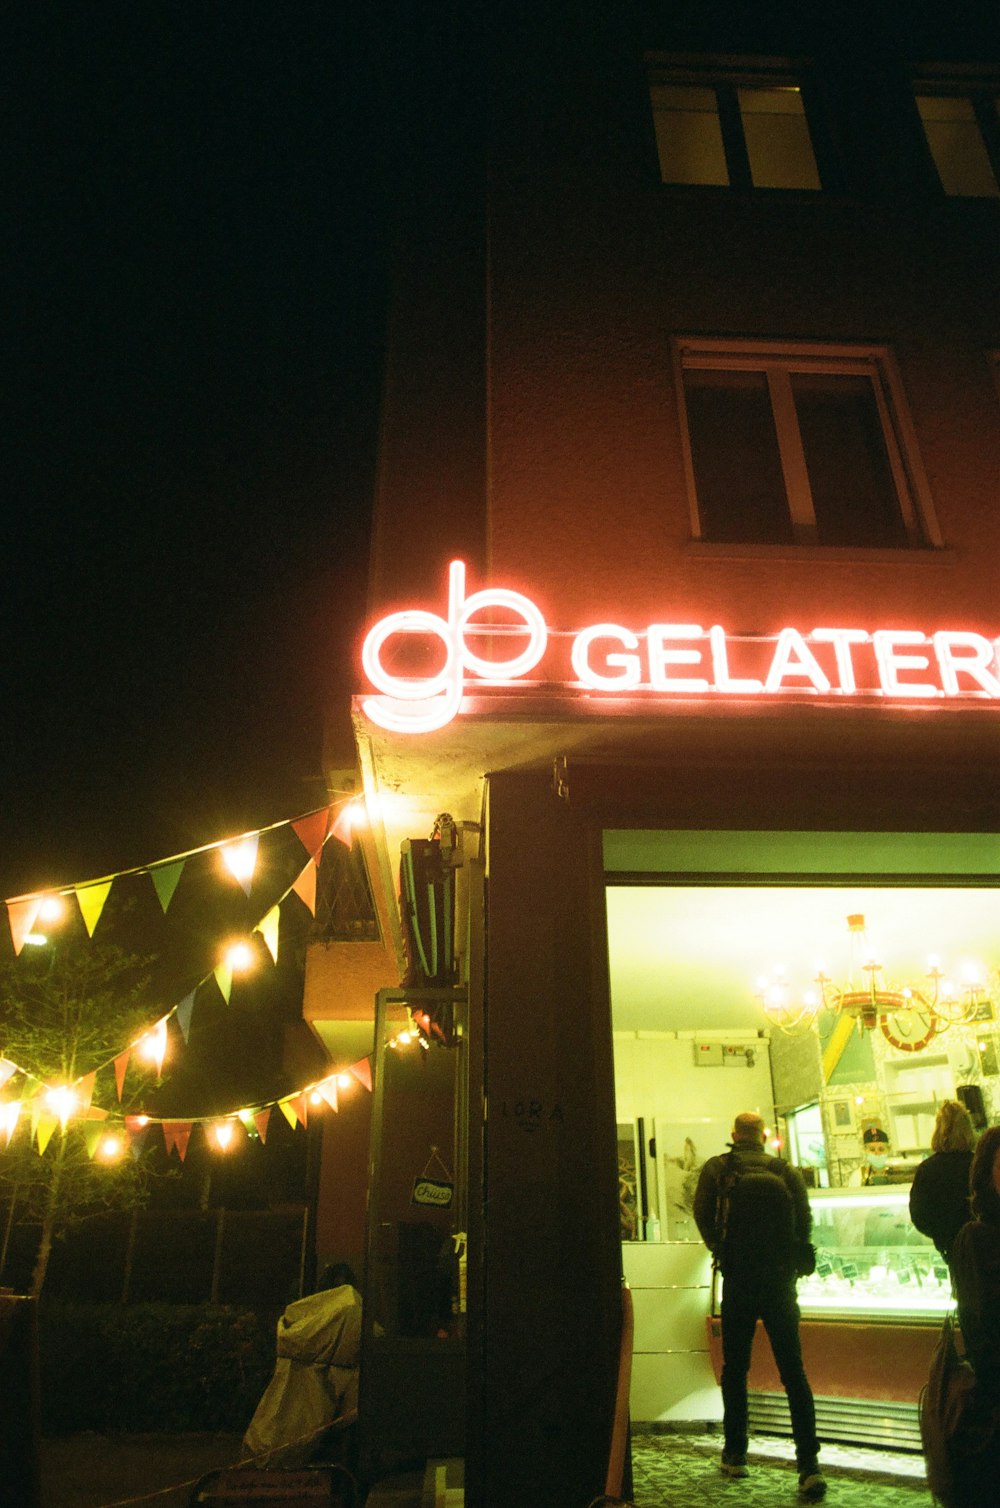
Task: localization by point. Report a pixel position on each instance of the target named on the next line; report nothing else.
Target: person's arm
(800, 1202)
(706, 1204)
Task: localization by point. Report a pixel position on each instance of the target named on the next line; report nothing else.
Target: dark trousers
(777, 1308)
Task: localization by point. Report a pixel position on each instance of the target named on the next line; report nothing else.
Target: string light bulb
(63, 1101)
(240, 957)
(240, 858)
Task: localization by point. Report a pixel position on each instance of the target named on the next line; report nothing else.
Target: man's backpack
(758, 1240)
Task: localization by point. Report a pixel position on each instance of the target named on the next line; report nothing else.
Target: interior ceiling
(688, 957)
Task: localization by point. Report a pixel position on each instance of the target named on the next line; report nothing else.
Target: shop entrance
(716, 941)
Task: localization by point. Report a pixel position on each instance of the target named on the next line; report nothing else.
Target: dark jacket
(939, 1197)
(749, 1156)
(975, 1276)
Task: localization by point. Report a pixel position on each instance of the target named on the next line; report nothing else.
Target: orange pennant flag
(177, 1134)
(22, 916)
(300, 1104)
(305, 887)
(91, 899)
(260, 1120)
(311, 831)
(346, 821)
(121, 1068)
(362, 1071)
(285, 1107)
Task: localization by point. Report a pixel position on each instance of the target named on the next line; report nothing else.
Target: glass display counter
(871, 1263)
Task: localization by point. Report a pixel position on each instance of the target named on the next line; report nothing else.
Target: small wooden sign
(433, 1192)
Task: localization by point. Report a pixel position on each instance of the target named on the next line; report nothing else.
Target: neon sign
(664, 660)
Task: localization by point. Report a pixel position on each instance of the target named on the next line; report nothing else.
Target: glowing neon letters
(664, 659)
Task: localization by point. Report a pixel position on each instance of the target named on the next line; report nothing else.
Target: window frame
(726, 79)
(778, 361)
(983, 94)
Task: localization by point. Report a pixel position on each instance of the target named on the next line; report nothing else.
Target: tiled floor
(682, 1471)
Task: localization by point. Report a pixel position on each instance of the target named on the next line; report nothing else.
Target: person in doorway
(753, 1214)
(939, 1194)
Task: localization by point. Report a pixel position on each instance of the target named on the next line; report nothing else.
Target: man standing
(753, 1214)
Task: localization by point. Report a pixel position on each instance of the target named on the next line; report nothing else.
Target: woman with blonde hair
(939, 1195)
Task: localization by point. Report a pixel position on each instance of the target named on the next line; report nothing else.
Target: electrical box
(738, 1057)
(708, 1055)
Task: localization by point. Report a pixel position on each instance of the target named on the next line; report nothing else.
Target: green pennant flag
(165, 878)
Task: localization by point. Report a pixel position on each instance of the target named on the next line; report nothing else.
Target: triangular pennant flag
(183, 1014)
(240, 858)
(224, 979)
(121, 1068)
(7, 1070)
(91, 899)
(136, 1123)
(44, 1127)
(305, 887)
(285, 1107)
(268, 930)
(85, 1089)
(177, 1134)
(22, 916)
(92, 1134)
(345, 823)
(94, 1113)
(300, 1104)
(328, 1090)
(362, 1071)
(260, 1120)
(10, 1111)
(165, 878)
(311, 831)
(135, 1147)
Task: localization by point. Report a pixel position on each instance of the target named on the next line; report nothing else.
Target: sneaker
(733, 1466)
(812, 1486)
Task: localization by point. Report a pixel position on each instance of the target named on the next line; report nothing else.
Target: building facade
(692, 366)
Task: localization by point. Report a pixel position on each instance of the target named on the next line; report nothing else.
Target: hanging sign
(433, 1193)
(679, 661)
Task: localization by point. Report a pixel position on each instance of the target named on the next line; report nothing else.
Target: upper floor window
(803, 445)
(736, 133)
(963, 133)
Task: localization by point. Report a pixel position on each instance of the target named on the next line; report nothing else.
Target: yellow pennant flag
(91, 900)
(288, 1113)
(44, 1127)
(92, 1133)
(224, 979)
(268, 930)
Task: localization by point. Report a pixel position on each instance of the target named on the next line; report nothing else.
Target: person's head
(953, 1129)
(336, 1275)
(876, 1147)
(984, 1179)
(748, 1129)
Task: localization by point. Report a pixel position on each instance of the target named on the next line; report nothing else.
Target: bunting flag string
(52, 1105)
(312, 830)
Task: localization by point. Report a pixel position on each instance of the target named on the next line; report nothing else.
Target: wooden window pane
(734, 450)
(777, 139)
(957, 146)
(688, 135)
(853, 493)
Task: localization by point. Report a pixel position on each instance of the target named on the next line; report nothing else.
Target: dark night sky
(193, 313)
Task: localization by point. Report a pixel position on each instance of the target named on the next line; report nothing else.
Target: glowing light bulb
(223, 1134)
(52, 909)
(62, 1100)
(110, 1148)
(240, 957)
(240, 858)
(35, 939)
(343, 1081)
(315, 1098)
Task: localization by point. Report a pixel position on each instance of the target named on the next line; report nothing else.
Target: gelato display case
(871, 1263)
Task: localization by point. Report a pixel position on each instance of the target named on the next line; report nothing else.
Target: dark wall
(551, 1253)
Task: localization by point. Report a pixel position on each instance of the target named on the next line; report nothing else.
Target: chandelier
(908, 1015)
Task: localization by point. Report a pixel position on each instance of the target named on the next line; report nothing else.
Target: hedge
(151, 1367)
